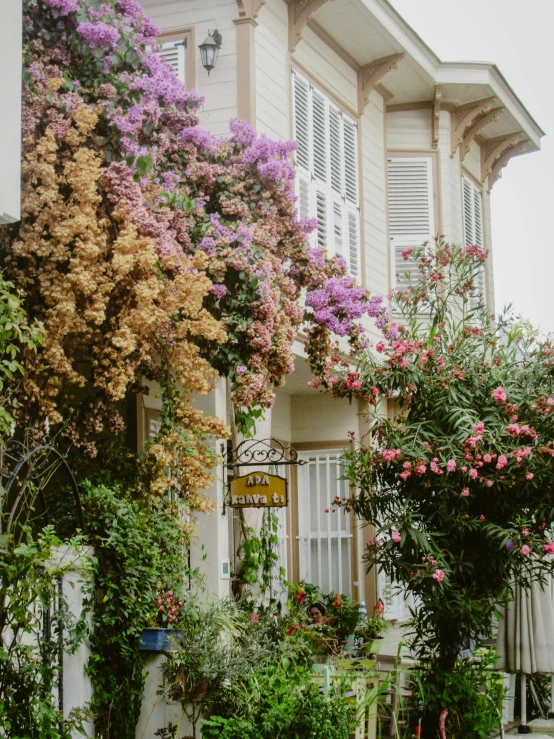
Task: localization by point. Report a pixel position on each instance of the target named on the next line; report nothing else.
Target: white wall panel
(409, 129)
(273, 71)
(317, 417)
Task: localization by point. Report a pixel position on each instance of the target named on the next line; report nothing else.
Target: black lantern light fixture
(209, 50)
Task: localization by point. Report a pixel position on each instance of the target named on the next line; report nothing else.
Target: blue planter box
(160, 640)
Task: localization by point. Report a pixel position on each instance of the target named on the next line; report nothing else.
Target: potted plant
(373, 631)
(323, 641)
(344, 615)
(162, 636)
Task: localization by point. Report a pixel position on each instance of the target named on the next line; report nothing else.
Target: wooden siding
(273, 71)
(220, 87)
(409, 129)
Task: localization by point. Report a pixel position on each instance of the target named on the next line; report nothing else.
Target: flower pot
(349, 644)
(374, 645)
(160, 640)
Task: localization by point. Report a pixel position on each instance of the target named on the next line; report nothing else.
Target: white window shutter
(473, 234)
(411, 216)
(154, 426)
(350, 162)
(323, 216)
(173, 52)
(327, 172)
(338, 228)
(320, 137)
(335, 141)
(353, 243)
(302, 125)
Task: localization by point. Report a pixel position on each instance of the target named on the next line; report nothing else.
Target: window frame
(181, 34)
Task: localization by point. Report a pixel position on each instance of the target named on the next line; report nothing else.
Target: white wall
(374, 207)
(409, 129)
(273, 72)
(318, 417)
(220, 87)
(10, 120)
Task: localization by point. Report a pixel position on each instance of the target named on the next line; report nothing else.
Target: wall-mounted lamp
(209, 50)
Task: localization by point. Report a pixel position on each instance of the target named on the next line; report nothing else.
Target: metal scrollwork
(253, 453)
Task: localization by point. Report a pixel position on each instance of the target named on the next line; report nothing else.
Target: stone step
(542, 726)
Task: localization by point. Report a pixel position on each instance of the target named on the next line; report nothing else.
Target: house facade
(394, 147)
(10, 121)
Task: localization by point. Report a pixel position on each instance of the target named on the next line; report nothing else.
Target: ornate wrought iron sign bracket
(253, 453)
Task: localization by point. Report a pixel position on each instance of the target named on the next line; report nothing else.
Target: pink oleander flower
(487, 458)
(451, 465)
(407, 465)
(499, 394)
(438, 575)
(380, 346)
(396, 537)
(481, 517)
(525, 550)
(489, 483)
(529, 476)
(465, 492)
(405, 475)
(421, 469)
(479, 427)
(463, 468)
(549, 547)
(501, 462)
(389, 455)
(473, 474)
(371, 542)
(406, 253)
(525, 532)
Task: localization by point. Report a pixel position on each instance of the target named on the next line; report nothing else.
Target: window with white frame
(326, 165)
(473, 233)
(411, 213)
(396, 600)
(174, 53)
(325, 535)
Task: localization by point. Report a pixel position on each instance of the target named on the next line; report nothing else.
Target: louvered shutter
(327, 172)
(411, 217)
(302, 122)
(173, 52)
(473, 234)
(320, 137)
(396, 601)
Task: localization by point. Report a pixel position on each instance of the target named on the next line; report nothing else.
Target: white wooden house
(395, 146)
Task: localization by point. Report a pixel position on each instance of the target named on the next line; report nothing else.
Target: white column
(210, 547)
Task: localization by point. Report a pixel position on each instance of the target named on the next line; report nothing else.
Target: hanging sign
(259, 490)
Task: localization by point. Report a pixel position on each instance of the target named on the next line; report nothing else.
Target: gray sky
(518, 38)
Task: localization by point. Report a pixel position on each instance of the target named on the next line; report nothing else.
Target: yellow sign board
(259, 490)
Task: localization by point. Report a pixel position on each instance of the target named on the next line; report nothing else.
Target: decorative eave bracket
(300, 11)
(370, 75)
(513, 151)
(436, 115)
(493, 149)
(465, 117)
(248, 11)
(477, 127)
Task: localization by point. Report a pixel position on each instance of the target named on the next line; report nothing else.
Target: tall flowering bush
(457, 479)
(149, 248)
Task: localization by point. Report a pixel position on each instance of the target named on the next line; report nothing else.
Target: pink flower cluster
(168, 608)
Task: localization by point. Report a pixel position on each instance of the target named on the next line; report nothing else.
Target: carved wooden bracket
(300, 11)
(493, 149)
(436, 115)
(370, 75)
(513, 151)
(478, 126)
(464, 117)
(249, 9)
